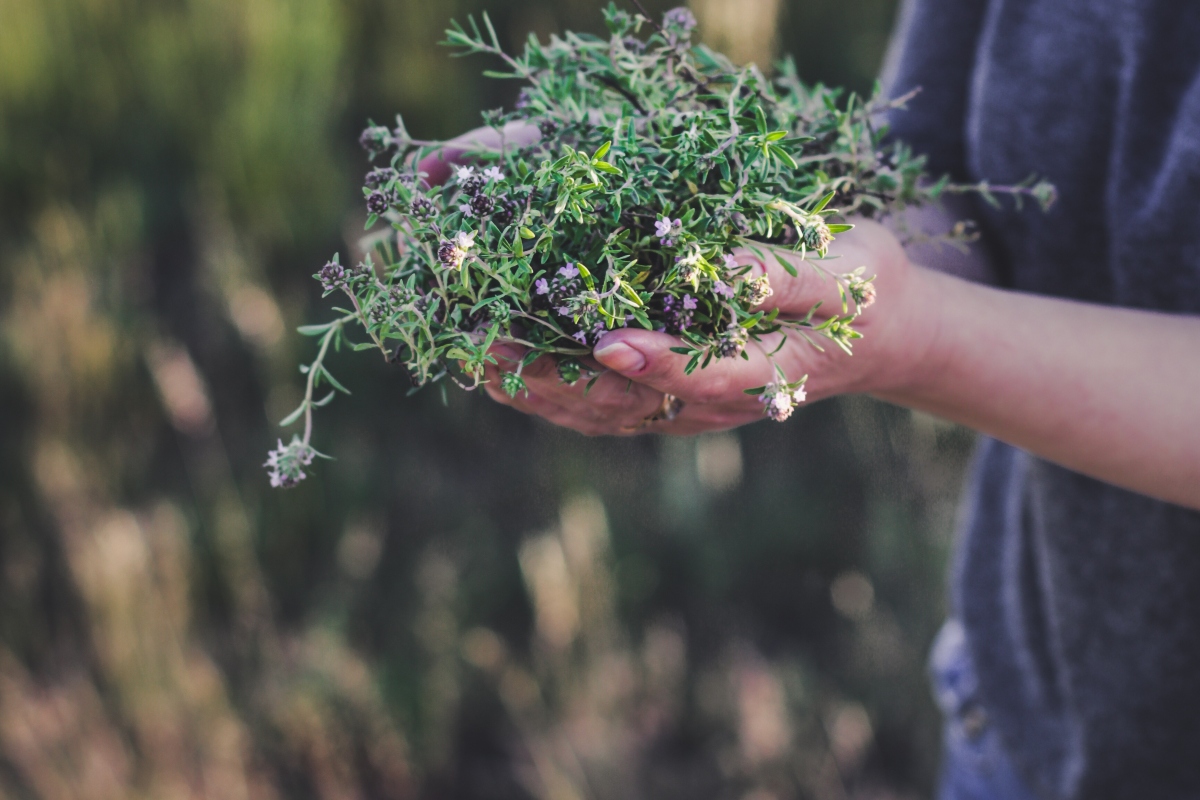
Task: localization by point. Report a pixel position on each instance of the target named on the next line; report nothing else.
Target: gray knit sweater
(1081, 602)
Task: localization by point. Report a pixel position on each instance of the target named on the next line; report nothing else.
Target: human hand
(640, 367)
(437, 165)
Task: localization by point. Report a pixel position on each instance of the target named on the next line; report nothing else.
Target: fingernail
(621, 357)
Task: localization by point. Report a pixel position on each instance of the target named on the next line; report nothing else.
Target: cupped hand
(639, 366)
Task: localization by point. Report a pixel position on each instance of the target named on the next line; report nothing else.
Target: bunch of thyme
(657, 159)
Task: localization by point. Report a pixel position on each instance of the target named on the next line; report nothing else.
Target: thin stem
(316, 366)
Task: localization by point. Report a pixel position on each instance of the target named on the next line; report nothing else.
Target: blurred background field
(467, 603)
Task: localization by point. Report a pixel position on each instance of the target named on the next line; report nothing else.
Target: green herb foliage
(620, 186)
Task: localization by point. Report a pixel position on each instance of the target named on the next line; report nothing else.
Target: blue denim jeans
(974, 764)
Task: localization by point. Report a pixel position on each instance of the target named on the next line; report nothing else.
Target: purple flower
(730, 261)
(377, 202)
(563, 311)
(285, 464)
(689, 303)
(543, 286)
(679, 18)
(580, 337)
(569, 271)
(375, 140)
(723, 289)
(666, 228)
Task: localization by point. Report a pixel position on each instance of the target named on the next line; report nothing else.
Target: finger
(646, 357)
(609, 404)
(610, 400)
(438, 165)
(568, 416)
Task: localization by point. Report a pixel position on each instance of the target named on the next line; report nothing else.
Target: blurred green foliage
(467, 603)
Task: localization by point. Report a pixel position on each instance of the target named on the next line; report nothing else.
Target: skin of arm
(1108, 392)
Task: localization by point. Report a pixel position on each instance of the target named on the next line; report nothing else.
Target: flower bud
(375, 140)
(422, 208)
(758, 290)
(512, 384)
(332, 276)
(816, 233)
(377, 202)
(732, 342)
(379, 177)
(482, 205)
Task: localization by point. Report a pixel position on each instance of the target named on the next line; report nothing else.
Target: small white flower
(691, 259)
(780, 400)
(466, 209)
(464, 173)
(493, 174)
(464, 241)
(779, 407)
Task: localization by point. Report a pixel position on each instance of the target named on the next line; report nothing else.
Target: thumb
(646, 357)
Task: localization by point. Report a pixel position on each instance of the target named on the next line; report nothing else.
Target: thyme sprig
(657, 159)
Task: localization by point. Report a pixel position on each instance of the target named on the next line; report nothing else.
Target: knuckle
(713, 388)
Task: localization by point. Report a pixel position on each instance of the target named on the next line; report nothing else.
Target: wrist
(918, 348)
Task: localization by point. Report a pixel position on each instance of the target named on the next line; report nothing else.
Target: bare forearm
(1108, 392)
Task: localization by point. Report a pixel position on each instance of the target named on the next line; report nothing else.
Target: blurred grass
(467, 603)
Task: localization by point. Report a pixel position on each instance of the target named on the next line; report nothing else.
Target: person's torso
(1081, 602)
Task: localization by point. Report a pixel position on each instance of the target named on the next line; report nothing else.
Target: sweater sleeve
(934, 49)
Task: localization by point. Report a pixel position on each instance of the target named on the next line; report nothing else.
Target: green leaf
(824, 201)
(602, 152)
(784, 156)
(314, 330)
(332, 380)
(295, 415)
(324, 401)
(788, 267)
(840, 228)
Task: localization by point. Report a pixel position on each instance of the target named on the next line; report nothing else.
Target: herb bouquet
(657, 158)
